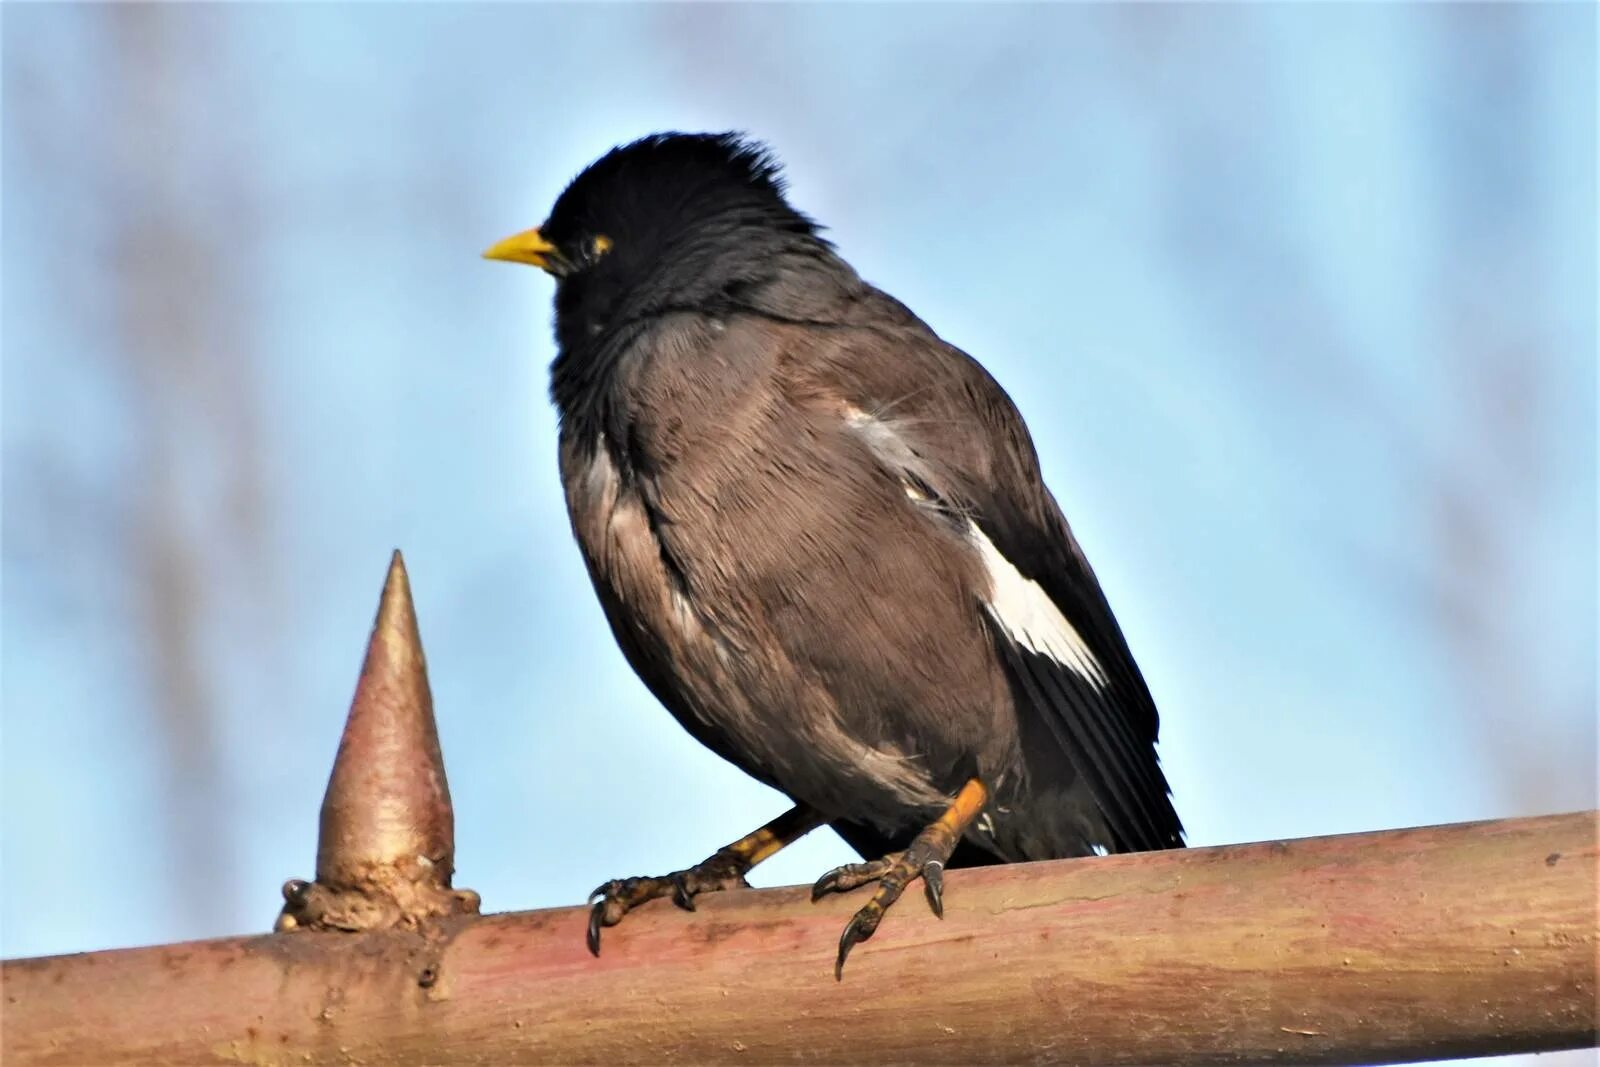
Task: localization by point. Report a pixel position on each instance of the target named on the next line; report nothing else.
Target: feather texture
(820, 533)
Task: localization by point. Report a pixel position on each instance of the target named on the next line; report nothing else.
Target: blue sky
(1299, 302)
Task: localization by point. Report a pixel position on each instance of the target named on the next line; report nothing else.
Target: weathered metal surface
(1407, 945)
(386, 847)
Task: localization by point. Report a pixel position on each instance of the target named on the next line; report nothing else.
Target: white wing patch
(1017, 605)
(1028, 615)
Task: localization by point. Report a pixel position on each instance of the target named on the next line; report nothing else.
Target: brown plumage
(821, 536)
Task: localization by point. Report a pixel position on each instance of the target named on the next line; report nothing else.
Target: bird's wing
(932, 412)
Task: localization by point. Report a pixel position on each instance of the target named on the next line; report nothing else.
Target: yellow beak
(526, 247)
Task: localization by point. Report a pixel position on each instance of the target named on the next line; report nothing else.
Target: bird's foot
(723, 870)
(619, 896)
(924, 859)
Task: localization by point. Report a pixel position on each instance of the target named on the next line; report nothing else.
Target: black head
(670, 220)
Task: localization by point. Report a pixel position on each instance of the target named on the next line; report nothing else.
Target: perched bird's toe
(850, 876)
(860, 927)
(924, 858)
(611, 901)
(614, 899)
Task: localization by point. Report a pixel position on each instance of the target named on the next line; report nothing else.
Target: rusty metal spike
(386, 849)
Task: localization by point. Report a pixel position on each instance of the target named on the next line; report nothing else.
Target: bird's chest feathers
(617, 534)
(680, 419)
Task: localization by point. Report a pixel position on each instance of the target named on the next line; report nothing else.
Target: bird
(821, 538)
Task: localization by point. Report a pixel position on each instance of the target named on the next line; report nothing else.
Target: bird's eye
(599, 245)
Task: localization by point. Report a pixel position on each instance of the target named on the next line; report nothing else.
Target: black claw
(598, 891)
(680, 893)
(825, 885)
(933, 885)
(853, 935)
(596, 913)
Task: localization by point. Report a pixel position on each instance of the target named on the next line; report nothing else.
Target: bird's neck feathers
(734, 262)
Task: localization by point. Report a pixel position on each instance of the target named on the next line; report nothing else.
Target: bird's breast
(615, 532)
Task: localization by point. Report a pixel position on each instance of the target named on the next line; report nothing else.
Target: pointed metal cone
(387, 800)
(386, 849)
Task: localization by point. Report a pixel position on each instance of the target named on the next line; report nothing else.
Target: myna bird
(821, 537)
